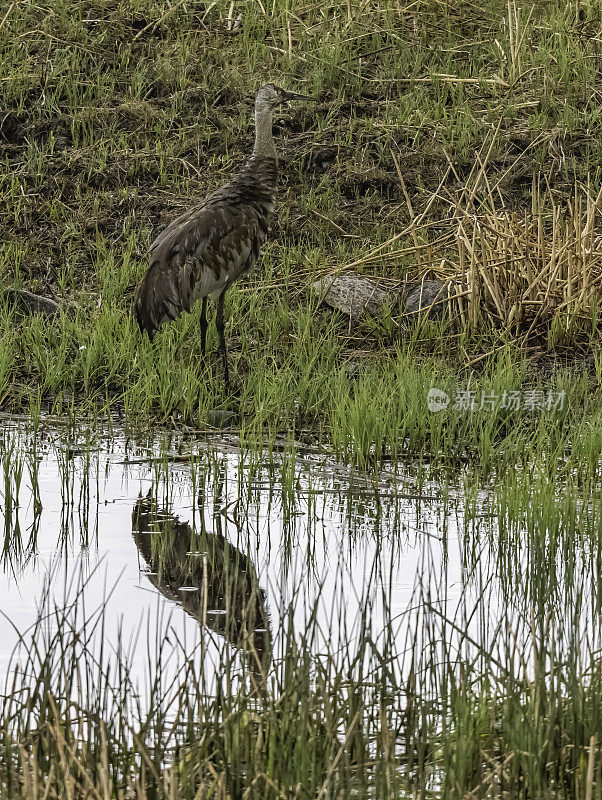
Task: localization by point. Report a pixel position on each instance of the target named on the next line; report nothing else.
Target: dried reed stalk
(528, 272)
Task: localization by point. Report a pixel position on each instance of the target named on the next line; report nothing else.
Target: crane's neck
(264, 141)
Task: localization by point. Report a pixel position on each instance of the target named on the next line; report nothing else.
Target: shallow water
(255, 547)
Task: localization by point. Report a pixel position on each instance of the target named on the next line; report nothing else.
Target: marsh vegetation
(350, 593)
(229, 625)
(449, 141)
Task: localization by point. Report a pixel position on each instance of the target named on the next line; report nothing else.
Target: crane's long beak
(295, 96)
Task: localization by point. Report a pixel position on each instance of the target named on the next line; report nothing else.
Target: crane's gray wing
(199, 253)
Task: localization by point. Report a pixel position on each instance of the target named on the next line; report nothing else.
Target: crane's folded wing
(197, 255)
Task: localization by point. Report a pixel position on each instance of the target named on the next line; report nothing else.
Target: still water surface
(156, 530)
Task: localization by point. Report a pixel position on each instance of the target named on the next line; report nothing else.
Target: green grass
(116, 118)
(301, 381)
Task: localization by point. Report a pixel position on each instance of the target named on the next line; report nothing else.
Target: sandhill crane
(221, 591)
(202, 252)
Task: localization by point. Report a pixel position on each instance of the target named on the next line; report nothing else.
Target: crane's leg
(219, 322)
(203, 325)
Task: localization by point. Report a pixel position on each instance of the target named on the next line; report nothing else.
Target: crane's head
(271, 96)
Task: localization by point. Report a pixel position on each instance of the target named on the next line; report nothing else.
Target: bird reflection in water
(212, 580)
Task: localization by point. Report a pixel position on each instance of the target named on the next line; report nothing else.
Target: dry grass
(534, 274)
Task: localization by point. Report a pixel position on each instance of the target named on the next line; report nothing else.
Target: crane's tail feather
(158, 299)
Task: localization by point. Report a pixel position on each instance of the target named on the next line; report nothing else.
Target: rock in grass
(424, 295)
(355, 295)
(28, 303)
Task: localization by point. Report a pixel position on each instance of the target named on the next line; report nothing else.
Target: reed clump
(529, 275)
(452, 730)
(534, 274)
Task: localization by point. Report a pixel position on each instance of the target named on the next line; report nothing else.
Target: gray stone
(426, 295)
(354, 295)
